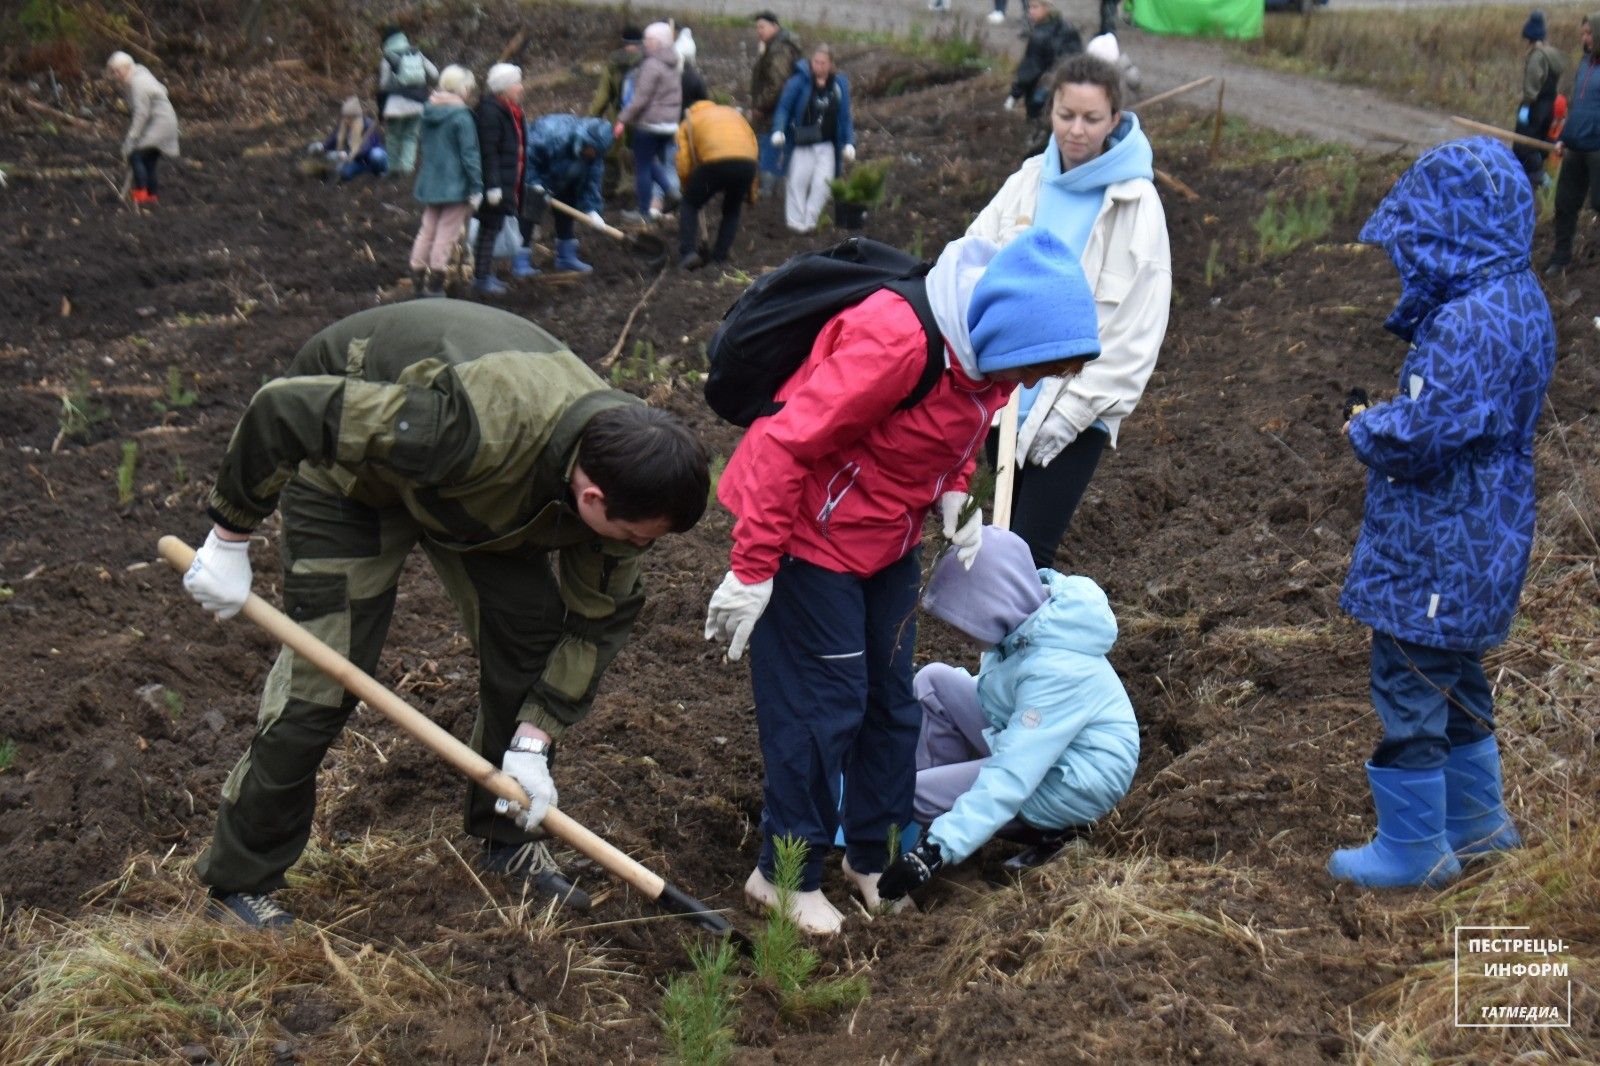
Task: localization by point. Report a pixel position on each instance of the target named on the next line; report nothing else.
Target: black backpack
(768, 332)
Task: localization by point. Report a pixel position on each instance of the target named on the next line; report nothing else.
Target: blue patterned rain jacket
(1449, 511)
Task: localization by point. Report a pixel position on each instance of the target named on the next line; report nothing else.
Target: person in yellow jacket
(716, 154)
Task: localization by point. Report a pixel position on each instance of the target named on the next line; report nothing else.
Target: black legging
(144, 162)
(490, 222)
(730, 177)
(1043, 498)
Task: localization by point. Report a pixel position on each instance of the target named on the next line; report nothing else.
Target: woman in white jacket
(1091, 187)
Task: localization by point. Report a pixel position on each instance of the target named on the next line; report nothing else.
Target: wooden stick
(55, 112)
(1175, 185)
(1504, 135)
(1216, 123)
(616, 349)
(514, 46)
(487, 776)
(1161, 98)
(567, 209)
(1005, 463)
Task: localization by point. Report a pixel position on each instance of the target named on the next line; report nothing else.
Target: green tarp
(1200, 18)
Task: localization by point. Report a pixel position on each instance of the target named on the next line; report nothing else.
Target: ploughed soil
(1220, 530)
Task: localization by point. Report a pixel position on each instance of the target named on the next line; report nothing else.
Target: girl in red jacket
(830, 494)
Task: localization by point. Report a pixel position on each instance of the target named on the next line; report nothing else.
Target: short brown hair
(648, 463)
(1085, 69)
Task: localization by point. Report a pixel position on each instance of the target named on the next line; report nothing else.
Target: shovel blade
(675, 900)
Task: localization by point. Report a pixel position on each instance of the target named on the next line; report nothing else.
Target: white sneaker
(994, 18)
(866, 886)
(811, 911)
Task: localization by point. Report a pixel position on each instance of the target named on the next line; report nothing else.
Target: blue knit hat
(1533, 29)
(1032, 306)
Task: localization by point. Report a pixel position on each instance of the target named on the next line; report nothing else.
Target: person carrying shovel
(566, 161)
(152, 125)
(532, 488)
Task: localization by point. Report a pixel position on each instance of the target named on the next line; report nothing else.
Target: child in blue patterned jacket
(1449, 516)
(1043, 740)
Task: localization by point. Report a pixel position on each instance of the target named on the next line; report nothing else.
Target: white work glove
(849, 153)
(532, 772)
(493, 196)
(314, 148)
(475, 200)
(1055, 433)
(1011, 103)
(776, 139)
(966, 537)
(219, 577)
(594, 216)
(733, 612)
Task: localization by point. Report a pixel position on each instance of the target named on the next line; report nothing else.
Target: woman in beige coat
(1092, 188)
(152, 126)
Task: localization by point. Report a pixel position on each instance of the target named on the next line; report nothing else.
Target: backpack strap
(914, 290)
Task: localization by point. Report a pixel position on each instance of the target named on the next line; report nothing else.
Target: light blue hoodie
(1070, 201)
(1061, 728)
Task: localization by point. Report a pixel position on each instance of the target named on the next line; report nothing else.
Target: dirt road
(1303, 106)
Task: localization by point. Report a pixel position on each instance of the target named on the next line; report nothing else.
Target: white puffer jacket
(1128, 264)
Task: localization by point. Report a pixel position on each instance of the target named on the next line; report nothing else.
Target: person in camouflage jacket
(780, 51)
(532, 488)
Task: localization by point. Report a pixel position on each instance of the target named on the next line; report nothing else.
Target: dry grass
(144, 972)
(1086, 903)
(1466, 60)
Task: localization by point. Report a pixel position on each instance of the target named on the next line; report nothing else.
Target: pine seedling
(783, 961)
(698, 1009)
(130, 458)
(177, 395)
(8, 754)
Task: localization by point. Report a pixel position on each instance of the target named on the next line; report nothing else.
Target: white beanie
(1104, 47)
(502, 76)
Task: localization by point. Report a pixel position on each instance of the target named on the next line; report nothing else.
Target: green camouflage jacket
(468, 417)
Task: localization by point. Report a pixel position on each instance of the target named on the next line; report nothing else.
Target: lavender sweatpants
(951, 749)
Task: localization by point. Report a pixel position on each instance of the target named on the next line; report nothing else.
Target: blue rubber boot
(489, 285)
(1476, 822)
(1410, 848)
(522, 265)
(567, 256)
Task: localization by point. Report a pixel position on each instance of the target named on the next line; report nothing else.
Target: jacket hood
(1127, 156)
(440, 104)
(396, 42)
(994, 597)
(1077, 617)
(592, 133)
(1460, 216)
(950, 284)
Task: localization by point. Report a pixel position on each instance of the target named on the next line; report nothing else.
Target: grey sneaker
(247, 908)
(532, 862)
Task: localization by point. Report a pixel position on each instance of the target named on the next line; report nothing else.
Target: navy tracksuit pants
(830, 662)
(1429, 701)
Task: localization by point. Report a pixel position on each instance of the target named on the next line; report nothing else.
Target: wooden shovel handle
(1005, 462)
(361, 685)
(1504, 135)
(567, 209)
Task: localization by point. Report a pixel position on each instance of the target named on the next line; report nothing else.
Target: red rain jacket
(838, 477)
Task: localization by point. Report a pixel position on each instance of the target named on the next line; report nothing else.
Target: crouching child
(355, 146)
(1043, 742)
(1448, 523)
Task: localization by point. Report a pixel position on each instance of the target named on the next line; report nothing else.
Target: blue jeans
(375, 162)
(649, 168)
(830, 663)
(1429, 701)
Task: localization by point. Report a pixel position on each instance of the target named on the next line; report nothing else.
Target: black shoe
(533, 863)
(1042, 845)
(255, 911)
(692, 261)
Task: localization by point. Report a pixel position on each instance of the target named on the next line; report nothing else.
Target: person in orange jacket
(716, 154)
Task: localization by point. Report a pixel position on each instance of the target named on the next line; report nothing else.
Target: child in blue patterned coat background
(1449, 516)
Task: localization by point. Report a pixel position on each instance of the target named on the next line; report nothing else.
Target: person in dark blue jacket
(566, 160)
(813, 121)
(1579, 149)
(1449, 514)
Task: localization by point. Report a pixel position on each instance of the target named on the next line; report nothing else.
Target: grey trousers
(951, 749)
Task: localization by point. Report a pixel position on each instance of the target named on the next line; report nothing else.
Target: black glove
(910, 871)
(1355, 401)
(535, 202)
